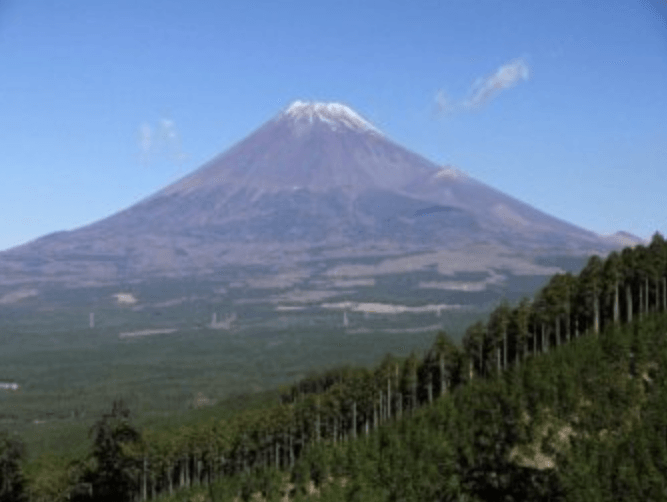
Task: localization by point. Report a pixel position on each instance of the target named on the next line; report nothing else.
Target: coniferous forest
(559, 397)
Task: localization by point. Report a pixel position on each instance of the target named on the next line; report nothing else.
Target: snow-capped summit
(334, 114)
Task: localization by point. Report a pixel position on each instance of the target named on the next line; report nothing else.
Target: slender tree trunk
(596, 307)
(664, 294)
(388, 397)
(335, 429)
(277, 454)
(317, 422)
(443, 381)
(568, 319)
(430, 392)
(640, 310)
(302, 442)
(617, 310)
(545, 347)
(208, 465)
(354, 420)
(647, 296)
(504, 348)
(557, 331)
(414, 390)
(375, 417)
(190, 473)
(400, 405)
(383, 406)
(628, 303)
(399, 395)
(170, 473)
(498, 358)
(144, 480)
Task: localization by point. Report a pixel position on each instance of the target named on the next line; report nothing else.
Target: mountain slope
(316, 181)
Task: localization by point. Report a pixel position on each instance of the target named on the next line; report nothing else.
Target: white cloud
(168, 129)
(485, 89)
(505, 77)
(162, 142)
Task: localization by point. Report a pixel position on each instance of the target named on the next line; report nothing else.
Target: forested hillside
(561, 397)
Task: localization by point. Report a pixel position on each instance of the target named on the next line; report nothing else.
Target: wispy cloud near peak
(505, 77)
(161, 141)
(485, 89)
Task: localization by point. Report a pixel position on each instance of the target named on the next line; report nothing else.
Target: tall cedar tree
(12, 452)
(114, 478)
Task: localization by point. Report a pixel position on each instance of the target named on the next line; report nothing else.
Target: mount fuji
(316, 198)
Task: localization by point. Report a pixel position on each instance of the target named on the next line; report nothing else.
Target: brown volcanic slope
(315, 182)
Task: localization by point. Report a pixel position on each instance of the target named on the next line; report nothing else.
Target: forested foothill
(561, 397)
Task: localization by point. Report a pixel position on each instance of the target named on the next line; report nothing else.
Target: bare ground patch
(146, 332)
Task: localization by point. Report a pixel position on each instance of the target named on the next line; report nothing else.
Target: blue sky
(561, 104)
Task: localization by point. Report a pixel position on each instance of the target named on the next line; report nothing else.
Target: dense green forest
(561, 397)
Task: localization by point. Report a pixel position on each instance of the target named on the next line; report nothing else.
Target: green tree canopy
(114, 476)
